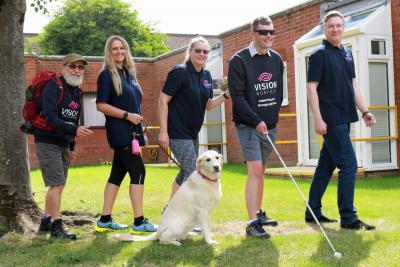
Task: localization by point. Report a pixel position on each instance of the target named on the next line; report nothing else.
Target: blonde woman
(119, 97)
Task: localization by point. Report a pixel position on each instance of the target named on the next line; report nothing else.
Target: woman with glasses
(119, 97)
(185, 97)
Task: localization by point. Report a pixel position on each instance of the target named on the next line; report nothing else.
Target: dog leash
(146, 130)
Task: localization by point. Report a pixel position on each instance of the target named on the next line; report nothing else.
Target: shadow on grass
(250, 252)
(192, 252)
(349, 243)
(43, 250)
(87, 253)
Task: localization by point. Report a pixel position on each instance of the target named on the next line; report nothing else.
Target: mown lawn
(293, 242)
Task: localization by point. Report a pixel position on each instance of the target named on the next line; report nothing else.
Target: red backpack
(31, 113)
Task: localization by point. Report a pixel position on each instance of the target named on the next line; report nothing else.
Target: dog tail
(134, 238)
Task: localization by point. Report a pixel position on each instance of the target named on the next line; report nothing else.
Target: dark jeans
(337, 151)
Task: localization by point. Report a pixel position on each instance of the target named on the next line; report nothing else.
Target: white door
(310, 142)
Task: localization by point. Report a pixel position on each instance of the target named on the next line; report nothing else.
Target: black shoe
(45, 224)
(358, 225)
(265, 220)
(58, 230)
(321, 219)
(255, 229)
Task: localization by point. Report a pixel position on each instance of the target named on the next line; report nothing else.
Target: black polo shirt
(333, 68)
(190, 91)
(119, 131)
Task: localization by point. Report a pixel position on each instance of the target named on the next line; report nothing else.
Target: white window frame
(387, 47)
(285, 101)
(388, 59)
(92, 98)
(203, 135)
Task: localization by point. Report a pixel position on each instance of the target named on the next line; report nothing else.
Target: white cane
(336, 254)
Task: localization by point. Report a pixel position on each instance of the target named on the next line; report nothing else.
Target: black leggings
(124, 161)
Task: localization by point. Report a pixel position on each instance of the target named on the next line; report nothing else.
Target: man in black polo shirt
(334, 94)
(255, 81)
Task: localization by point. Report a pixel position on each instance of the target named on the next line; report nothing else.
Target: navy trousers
(337, 151)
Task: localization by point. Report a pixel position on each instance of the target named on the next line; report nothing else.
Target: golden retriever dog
(191, 204)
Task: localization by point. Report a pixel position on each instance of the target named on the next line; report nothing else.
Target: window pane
(91, 116)
(313, 137)
(378, 84)
(215, 130)
(378, 47)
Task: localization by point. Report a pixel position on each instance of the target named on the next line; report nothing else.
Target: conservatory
(368, 33)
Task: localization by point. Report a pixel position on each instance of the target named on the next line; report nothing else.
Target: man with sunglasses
(255, 81)
(55, 148)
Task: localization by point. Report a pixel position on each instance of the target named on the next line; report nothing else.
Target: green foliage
(83, 26)
(40, 5)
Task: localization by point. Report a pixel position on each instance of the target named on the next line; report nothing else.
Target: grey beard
(73, 80)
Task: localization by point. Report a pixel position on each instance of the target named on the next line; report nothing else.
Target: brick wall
(152, 73)
(290, 26)
(151, 76)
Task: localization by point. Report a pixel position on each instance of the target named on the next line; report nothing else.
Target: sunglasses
(265, 32)
(199, 51)
(73, 67)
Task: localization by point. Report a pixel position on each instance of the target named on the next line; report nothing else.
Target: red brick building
(298, 31)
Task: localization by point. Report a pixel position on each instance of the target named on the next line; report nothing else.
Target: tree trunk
(18, 210)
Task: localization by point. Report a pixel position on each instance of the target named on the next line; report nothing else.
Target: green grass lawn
(293, 242)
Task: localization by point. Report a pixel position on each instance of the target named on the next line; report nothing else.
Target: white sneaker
(197, 229)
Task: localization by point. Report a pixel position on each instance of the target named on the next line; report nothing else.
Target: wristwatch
(364, 113)
(125, 115)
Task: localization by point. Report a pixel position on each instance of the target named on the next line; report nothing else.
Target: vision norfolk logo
(265, 77)
(71, 112)
(207, 84)
(265, 85)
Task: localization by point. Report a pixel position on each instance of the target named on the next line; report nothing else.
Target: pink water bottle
(135, 147)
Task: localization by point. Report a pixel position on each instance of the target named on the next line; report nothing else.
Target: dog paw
(171, 242)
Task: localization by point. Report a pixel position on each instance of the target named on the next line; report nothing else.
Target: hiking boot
(45, 224)
(255, 229)
(321, 219)
(358, 225)
(58, 230)
(265, 220)
(101, 227)
(145, 227)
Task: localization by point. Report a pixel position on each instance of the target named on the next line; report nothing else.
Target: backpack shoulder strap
(57, 79)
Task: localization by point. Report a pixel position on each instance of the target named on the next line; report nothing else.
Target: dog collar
(206, 177)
